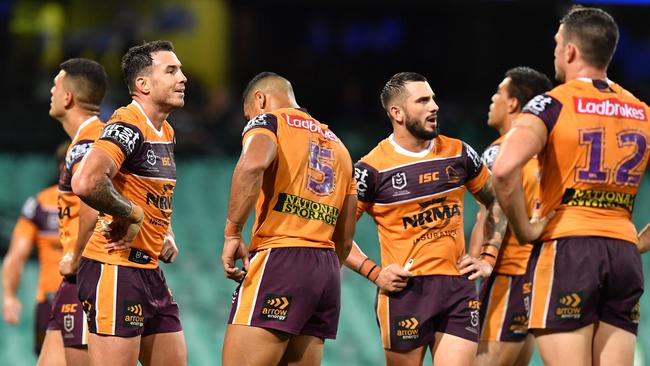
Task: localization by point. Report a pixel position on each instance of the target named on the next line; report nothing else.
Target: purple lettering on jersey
(546, 108)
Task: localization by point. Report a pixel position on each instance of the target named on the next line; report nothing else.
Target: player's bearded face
(419, 127)
(167, 80)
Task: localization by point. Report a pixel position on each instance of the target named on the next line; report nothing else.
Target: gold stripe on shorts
(495, 315)
(383, 314)
(106, 297)
(250, 287)
(542, 285)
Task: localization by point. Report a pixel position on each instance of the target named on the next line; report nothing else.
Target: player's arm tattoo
(496, 222)
(105, 199)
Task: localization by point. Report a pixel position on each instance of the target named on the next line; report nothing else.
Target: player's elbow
(502, 171)
(81, 185)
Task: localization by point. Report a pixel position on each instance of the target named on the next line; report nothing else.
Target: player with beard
(412, 185)
(590, 136)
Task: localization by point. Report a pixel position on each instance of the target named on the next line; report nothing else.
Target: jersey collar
(158, 132)
(82, 125)
(412, 154)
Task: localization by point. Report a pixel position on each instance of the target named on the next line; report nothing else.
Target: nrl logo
(399, 180)
(151, 157)
(68, 322)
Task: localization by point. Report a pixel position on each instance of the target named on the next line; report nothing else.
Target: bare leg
(113, 350)
(77, 356)
(613, 346)
(163, 349)
(268, 346)
(52, 353)
(413, 357)
(452, 350)
(565, 348)
(303, 351)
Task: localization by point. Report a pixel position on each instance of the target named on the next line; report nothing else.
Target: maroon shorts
(410, 318)
(126, 301)
(68, 315)
(504, 309)
(293, 290)
(577, 281)
(42, 316)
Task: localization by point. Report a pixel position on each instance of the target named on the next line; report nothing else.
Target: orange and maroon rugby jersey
(304, 189)
(38, 223)
(68, 202)
(594, 159)
(513, 257)
(146, 177)
(416, 200)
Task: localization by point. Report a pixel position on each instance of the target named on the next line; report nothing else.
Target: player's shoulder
(379, 157)
(128, 114)
(91, 131)
(447, 146)
(48, 196)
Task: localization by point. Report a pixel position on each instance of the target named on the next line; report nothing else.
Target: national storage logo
(307, 209)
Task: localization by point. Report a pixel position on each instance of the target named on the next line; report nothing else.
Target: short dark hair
(138, 58)
(88, 79)
(255, 80)
(525, 83)
(395, 86)
(595, 33)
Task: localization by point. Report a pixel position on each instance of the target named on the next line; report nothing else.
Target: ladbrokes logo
(569, 306)
(275, 307)
(307, 209)
(408, 328)
(609, 108)
(309, 124)
(598, 199)
(133, 314)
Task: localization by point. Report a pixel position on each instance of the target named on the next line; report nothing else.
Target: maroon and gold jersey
(68, 202)
(146, 177)
(416, 200)
(594, 159)
(38, 223)
(513, 256)
(304, 189)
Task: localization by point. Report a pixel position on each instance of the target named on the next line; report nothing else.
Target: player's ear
(570, 52)
(142, 84)
(67, 99)
(260, 99)
(513, 105)
(396, 113)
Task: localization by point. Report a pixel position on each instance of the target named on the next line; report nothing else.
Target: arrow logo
(410, 323)
(135, 309)
(278, 302)
(572, 300)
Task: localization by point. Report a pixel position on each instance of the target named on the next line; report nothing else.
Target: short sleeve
(490, 154)
(120, 140)
(29, 208)
(76, 153)
(477, 172)
(546, 108)
(366, 177)
(264, 123)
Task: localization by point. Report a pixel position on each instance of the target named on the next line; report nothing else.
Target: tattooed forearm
(496, 222)
(104, 198)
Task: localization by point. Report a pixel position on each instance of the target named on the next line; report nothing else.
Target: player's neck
(73, 119)
(409, 142)
(585, 71)
(152, 111)
(507, 124)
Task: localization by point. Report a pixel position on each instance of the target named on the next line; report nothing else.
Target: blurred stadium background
(338, 54)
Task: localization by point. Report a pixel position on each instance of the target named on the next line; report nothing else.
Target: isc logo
(428, 177)
(68, 308)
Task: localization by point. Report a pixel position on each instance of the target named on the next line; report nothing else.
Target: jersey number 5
(320, 176)
(626, 172)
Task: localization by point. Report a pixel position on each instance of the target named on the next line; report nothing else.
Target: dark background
(338, 55)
